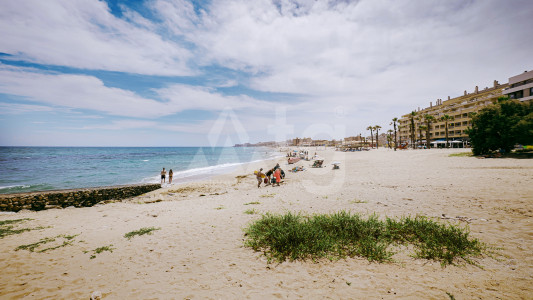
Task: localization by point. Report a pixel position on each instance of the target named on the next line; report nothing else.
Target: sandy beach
(198, 253)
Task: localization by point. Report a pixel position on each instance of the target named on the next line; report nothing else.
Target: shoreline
(183, 176)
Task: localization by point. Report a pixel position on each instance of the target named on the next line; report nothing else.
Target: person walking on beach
(163, 175)
(259, 177)
(170, 174)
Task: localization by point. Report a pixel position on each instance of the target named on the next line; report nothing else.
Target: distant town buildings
(459, 110)
(260, 144)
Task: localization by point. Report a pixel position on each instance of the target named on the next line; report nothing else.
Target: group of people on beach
(302, 154)
(164, 175)
(271, 177)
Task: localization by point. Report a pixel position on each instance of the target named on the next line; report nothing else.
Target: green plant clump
(142, 231)
(31, 247)
(340, 235)
(7, 229)
(8, 222)
(461, 154)
(100, 250)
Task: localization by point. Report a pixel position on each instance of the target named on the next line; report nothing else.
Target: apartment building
(520, 87)
(458, 108)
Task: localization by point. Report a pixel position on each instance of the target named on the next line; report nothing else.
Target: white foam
(210, 170)
(14, 186)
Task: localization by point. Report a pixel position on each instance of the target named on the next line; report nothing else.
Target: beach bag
(266, 180)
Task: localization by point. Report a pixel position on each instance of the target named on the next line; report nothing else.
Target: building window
(516, 95)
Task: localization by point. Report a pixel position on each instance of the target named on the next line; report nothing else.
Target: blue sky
(214, 73)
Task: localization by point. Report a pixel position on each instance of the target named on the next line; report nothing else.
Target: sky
(218, 73)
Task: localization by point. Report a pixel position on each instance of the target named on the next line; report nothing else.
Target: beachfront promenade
(196, 248)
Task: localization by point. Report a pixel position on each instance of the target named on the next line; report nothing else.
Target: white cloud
(184, 97)
(344, 48)
(88, 92)
(123, 124)
(84, 34)
(376, 59)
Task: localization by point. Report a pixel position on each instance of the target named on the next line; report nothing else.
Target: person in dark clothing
(268, 174)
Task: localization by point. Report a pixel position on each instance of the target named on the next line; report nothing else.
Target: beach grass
(142, 231)
(6, 227)
(462, 154)
(339, 235)
(67, 241)
(100, 250)
(267, 195)
(251, 212)
(357, 201)
(252, 203)
(8, 222)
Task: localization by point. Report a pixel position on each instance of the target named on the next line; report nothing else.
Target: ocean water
(25, 169)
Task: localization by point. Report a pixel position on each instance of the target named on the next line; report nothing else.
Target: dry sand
(198, 252)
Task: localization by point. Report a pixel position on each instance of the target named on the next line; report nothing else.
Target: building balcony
(518, 88)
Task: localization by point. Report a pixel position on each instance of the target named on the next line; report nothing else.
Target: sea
(28, 169)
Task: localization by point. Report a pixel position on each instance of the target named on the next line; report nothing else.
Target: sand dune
(197, 251)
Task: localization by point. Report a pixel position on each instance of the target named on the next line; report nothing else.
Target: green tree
(501, 126)
(429, 119)
(394, 120)
(446, 119)
(377, 128)
(371, 135)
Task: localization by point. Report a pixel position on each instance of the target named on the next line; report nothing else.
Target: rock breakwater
(74, 197)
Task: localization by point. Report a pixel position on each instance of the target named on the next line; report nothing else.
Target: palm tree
(419, 141)
(412, 118)
(446, 119)
(429, 119)
(400, 130)
(377, 128)
(421, 128)
(371, 136)
(394, 120)
(389, 138)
